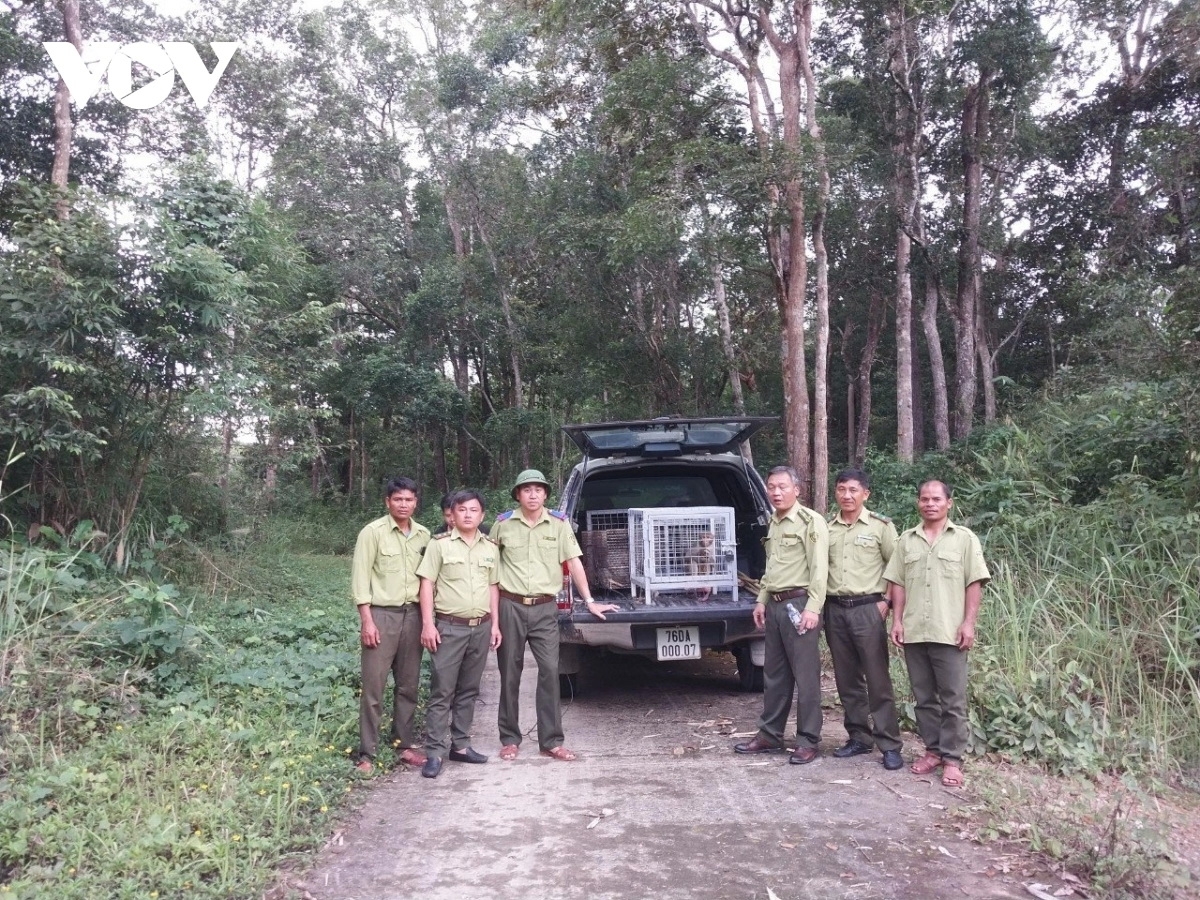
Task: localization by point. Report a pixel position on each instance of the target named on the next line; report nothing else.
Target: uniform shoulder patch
(442, 536)
(880, 516)
(506, 515)
(558, 514)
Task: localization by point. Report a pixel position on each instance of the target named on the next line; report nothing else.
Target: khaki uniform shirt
(858, 553)
(531, 556)
(797, 556)
(935, 578)
(461, 573)
(384, 572)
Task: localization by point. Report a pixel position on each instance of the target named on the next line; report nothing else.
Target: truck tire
(750, 676)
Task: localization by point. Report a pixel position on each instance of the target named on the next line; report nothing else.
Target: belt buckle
(475, 621)
(528, 601)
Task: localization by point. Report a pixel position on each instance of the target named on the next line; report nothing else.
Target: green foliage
(1049, 717)
(1089, 650)
(200, 786)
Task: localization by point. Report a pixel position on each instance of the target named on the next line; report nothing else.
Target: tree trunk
(937, 363)
(509, 323)
(851, 431)
(63, 127)
(735, 379)
(745, 26)
(440, 472)
(987, 373)
(918, 402)
(904, 150)
(974, 133)
(459, 358)
(820, 476)
(875, 318)
(796, 410)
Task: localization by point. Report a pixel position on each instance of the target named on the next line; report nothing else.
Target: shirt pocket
(391, 559)
(515, 540)
(911, 559)
(951, 563)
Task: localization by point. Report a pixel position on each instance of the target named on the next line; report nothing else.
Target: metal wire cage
(689, 549)
(605, 546)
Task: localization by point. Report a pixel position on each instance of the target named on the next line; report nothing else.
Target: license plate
(682, 642)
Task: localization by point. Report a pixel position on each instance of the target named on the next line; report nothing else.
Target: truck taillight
(564, 599)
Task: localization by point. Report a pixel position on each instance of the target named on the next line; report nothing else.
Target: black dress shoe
(802, 755)
(755, 745)
(467, 756)
(852, 747)
(432, 767)
(892, 760)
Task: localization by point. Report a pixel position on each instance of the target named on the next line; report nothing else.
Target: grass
(1090, 646)
(194, 772)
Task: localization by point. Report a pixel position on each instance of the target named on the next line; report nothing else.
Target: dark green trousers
(398, 652)
(455, 672)
(792, 661)
(858, 642)
(538, 627)
(938, 674)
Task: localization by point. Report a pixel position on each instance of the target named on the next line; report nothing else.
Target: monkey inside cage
(689, 551)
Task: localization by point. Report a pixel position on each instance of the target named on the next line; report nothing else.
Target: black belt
(794, 594)
(532, 600)
(462, 620)
(849, 601)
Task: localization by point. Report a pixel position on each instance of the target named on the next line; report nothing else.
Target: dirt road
(674, 813)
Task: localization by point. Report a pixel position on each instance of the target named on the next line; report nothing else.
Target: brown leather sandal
(952, 775)
(510, 751)
(560, 753)
(926, 764)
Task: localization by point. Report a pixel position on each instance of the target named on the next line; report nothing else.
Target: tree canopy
(419, 235)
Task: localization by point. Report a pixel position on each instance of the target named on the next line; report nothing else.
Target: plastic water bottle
(794, 615)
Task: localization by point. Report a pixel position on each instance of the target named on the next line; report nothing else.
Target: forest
(950, 239)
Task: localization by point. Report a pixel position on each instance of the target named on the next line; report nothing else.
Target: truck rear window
(655, 491)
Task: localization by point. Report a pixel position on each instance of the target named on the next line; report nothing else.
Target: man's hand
(369, 634)
(964, 638)
(809, 620)
(898, 632)
(599, 609)
(883, 608)
(430, 637)
(495, 634)
(760, 617)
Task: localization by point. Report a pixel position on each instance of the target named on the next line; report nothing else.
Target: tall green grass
(1091, 640)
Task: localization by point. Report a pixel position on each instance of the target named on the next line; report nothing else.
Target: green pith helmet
(530, 476)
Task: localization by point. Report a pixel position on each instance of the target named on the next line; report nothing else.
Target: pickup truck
(667, 474)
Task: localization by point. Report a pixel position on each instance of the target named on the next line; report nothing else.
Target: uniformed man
(448, 516)
(797, 565)
(459, 623)
(534, 544)
(383, 582)
(856, 608)
(938, 573)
